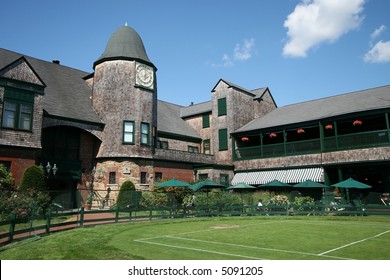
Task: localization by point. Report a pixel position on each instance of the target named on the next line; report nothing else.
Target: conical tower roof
(124, 44)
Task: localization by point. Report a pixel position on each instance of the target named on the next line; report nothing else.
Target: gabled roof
(67, 95)
(233, 86)
(169, 120)
(18, 63)
(324, 108)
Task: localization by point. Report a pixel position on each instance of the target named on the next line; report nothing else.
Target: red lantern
(301, 130)
(272, 135)
(328, 126)
(245, 139)
(357, 122)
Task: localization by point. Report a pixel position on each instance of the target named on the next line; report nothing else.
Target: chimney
(56, 61)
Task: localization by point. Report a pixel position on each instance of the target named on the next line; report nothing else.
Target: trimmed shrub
(128, 196)
(33, 179)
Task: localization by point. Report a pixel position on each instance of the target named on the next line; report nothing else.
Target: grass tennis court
(231, 238)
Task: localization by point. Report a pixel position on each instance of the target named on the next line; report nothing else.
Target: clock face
(145, 75)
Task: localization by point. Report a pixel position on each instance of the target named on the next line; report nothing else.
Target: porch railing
(340, 142)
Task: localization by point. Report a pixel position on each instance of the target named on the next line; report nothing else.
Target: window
(128, 132)
(222, 106)
(206, 146)
(206, 120)
(203, 177)
(224, 179)
(17, 115)
(158, 177)
(112, 178)
(6, 164)
(145, 133)
(143, 177)
(193, 149)
(223, 139)
(162, 144)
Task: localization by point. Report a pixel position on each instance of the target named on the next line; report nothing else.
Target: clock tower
(124, 94)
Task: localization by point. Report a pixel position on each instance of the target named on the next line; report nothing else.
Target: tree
(6, 181)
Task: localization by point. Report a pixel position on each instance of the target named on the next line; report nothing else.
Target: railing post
(117, 214)
(48, 222)
(81, 216)
(12, 227)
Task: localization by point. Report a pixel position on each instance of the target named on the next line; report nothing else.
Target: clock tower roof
(125, 44)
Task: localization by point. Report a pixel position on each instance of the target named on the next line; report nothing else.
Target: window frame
(142, 134)
(126, 133)
(223, 144)
(17, 115)
(205, 120)
(222, 110)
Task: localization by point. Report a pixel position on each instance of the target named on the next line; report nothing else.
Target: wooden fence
(14, 229)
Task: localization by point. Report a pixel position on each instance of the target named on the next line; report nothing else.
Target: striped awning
(288, 176)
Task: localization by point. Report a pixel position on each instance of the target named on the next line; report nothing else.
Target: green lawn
(233, 238)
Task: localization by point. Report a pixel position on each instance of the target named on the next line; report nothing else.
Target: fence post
(12, 227)
(48, 221)
(117, 214)
(81, 216)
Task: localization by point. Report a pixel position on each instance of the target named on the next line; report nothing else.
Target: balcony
(351, 141)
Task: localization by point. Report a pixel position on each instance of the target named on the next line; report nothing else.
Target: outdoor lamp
(48, 168)
(55, 169)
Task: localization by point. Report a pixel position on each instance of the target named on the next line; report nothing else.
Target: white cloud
(241, 52)
(377, 32)
(244, 52)
(379, 53)
(314, 22)
(227, 62)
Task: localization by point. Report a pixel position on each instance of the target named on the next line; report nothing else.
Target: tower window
(145, 134)
(128, 132)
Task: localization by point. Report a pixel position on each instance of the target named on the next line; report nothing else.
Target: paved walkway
(71, 223)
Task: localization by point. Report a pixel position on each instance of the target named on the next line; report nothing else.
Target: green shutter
(206, 120)
(222, 106)
(223, 139)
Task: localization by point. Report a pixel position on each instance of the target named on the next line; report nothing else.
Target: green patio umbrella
(309, 184)
(276, 183)
(241, 186)
(207, 184)
(173, 183)
(351, 184)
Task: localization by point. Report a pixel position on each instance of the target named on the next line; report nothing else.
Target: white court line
(255, 247)
(353, 243)
(199, 250)
(209, 229)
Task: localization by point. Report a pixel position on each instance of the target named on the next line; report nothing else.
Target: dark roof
(67, 95)
(125, 43)
(324, 108)
(169, 120)
(196, 109)
(230, 84)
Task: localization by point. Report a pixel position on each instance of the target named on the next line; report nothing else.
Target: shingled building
(112, 120)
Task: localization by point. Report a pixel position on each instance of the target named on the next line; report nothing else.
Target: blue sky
(300, 49)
